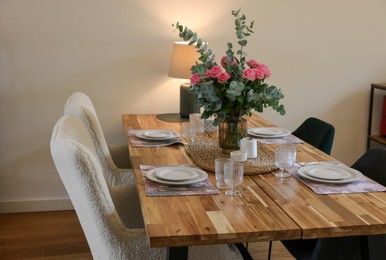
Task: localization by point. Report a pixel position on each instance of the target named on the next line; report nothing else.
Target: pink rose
(265, 69)
(259, 73)
(224, 62)
(194, 79)
(215, 70)
(222, 77)
(252, 63)
(249, 74)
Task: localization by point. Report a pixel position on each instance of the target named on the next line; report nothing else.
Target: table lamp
(183, 57)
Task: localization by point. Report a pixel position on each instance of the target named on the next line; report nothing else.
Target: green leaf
(236, 13)
(243, 42)
(199, 43)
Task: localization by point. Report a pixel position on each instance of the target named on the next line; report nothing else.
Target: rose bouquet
(237, 85)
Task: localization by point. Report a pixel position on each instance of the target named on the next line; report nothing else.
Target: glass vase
(230, 132)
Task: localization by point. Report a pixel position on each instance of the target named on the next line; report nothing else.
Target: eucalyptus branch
(242, 32)
(206, 54)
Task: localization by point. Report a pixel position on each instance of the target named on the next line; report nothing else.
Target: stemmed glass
(233, 176)
(285, 156)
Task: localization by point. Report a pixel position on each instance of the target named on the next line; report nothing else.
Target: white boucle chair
(121, 180)
(80, 105)
(78, 165)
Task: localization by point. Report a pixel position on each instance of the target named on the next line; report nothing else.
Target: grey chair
(80, 105)
(76, 160)
(316, 132)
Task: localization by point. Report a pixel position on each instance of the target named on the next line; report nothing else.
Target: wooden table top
(268, 209)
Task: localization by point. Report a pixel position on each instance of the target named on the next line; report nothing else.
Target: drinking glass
(220, 172)
(188, 131)
(285, 156)
(196, 122)
(234, 175)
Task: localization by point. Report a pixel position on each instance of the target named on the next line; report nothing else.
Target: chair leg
(269, 250)
(243, 251)
(364, 247)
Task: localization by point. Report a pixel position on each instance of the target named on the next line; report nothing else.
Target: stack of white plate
(268, 132)
(157, 135)
(176, 175)
(329, 173)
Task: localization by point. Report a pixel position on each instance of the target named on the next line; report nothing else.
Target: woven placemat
(204, 151)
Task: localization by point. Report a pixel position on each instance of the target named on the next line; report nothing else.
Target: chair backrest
(316, 132)
(81, 99)
(76, 160)
(373, 164)
(80, 106)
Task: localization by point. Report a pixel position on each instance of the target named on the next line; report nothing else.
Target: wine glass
(285, 156)
(233, 176)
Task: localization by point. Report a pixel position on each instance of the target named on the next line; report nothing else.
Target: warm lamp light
(183, 57)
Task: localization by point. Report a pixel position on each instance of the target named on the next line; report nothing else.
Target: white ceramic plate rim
(176, 173)
(269, 132)
(329, 173)
(201, 175)
(156, 133)
(354, 174)
(172, 135)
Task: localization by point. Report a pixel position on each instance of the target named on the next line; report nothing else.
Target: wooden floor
(58, 235)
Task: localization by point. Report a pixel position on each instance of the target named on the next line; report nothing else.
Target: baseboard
(35, 205)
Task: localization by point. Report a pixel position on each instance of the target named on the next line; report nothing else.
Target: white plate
(176, 173)
(201, 175)
(269, 132)
(331, 171)
(157, 135)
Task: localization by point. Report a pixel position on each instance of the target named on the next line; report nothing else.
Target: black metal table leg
(177, 253)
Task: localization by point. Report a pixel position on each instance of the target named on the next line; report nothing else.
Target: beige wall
(323, 54)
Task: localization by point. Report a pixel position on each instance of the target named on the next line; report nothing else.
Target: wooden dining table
(270, 208)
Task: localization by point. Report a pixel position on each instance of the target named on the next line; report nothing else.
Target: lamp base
(188, 101)
(172, 118)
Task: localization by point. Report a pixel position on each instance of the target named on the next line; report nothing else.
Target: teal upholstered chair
(373, 165)
(319, 134)
(316, 132)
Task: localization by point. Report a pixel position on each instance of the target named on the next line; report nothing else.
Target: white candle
(238, 156)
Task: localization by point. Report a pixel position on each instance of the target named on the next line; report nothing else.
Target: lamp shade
(183, 57)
